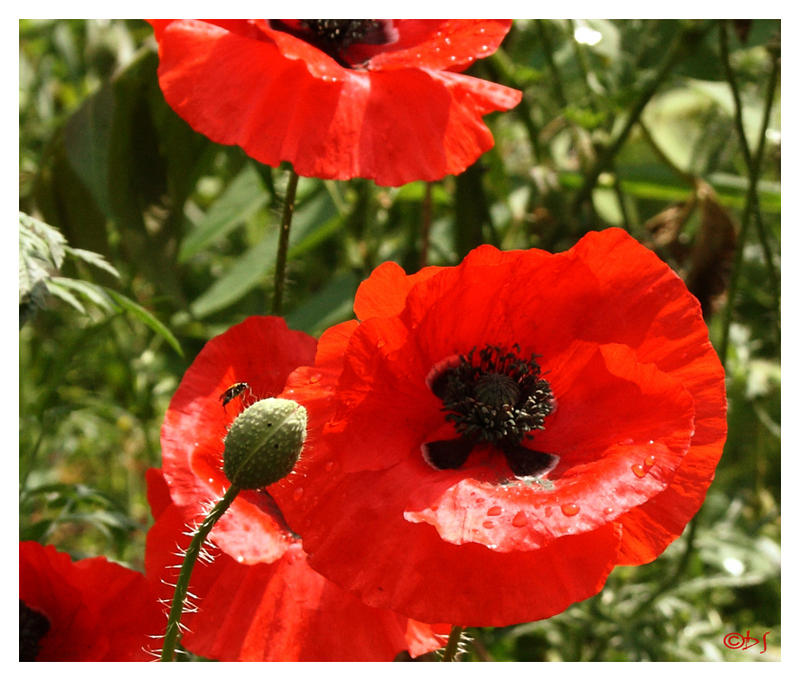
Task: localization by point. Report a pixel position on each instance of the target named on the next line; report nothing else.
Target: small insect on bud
(264, 442)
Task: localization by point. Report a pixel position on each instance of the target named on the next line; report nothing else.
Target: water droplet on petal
(570, 509)
(651, 442)
(608, 510)
(447, 41)
(315, 378)
(297, 494)
(196, 444)
(638, 470)
(484, 48)
(482, 29)
(240, 559)
(418, 55)
(210, 480)
(452, 57)
(494, 510)
(519, 520)
(488, 524)
(437, 49)
(479, 500)
(649, 460)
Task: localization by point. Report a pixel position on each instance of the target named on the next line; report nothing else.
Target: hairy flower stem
(173, 630)
(283, 243)
(452, 644)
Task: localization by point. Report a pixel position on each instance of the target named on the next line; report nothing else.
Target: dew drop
(452, 57)
(334, 79)
(482, 29)
(519, 520)
(638, 470)
(447, 41)
(437, 49)
(418, 55)
(494, 510)
(484, 48)
(240, 559)
(608, 510)
(570, 509)
(297, 494)
(196, 444)
(435, 508)
(651, 442)
(488, 524)
(479, 501)
(211, 480)
(649, 460)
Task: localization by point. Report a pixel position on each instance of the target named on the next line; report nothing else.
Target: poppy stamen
(497, 397)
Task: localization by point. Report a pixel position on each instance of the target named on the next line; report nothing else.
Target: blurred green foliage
(630, 122)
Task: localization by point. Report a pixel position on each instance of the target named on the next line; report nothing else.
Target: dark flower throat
(334, 36)
(496, 397)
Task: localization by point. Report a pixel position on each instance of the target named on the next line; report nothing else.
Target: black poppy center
(493, 396)
(334, 36)
(33, 626)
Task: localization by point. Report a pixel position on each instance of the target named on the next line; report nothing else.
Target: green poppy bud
(264, 442)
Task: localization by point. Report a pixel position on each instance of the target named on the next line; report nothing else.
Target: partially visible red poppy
(89, 610)
(502, 433)
(279, 611)
(338, 98)
(261, 352)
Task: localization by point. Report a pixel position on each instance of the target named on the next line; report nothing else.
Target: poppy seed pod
(264, 443)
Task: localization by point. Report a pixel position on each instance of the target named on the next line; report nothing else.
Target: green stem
(283, 243)
(452, 644)
(751, 199)
(547, 45)
(684, 41)
(504, 67)
(181, 588)
(425, 230)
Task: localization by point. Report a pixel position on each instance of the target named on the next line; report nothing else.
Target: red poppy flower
(282, 611)
(502, 433)
(338, 98)
(261, 601)
(260, 352)
(90, 610)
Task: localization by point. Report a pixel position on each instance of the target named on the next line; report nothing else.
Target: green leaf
(249, 270)
(91, 291)
(93, 258)
(241, 199)
(127, 305)
(326, 307)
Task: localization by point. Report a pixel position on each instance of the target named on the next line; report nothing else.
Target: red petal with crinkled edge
(97, 610)
(639, 428)
(260, 351)
(283, 611)
(281, 99)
